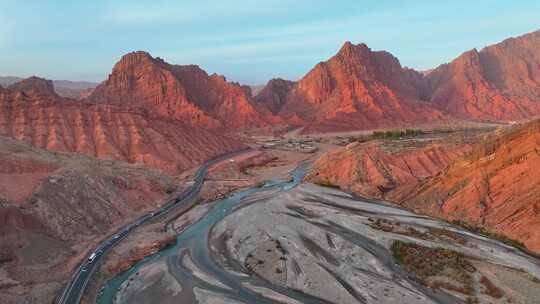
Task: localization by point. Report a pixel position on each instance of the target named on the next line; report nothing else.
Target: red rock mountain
(35, 86)
(383, 167)
(497, 186)
(32, 112)
(491, 181)
(356, 89)
(184, 93)
(499, 83)
(362, 89)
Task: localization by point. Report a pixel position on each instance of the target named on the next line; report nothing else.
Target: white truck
(92, 257)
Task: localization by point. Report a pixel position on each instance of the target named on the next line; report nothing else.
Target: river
(306, 244)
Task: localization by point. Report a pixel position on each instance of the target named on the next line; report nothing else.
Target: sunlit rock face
(356, 89)
(497, 186)
(491, 181)
(362, 89)
(31, 111)
(186, 93)
(499, 82)
(381, 169)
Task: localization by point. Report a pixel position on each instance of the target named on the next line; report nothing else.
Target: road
(76, 287)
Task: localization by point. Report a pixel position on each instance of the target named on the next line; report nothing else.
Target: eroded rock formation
(184, 93)
(31, 111)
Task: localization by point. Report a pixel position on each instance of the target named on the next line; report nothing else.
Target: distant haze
(65, 88)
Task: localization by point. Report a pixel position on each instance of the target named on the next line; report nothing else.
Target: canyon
(79, 162)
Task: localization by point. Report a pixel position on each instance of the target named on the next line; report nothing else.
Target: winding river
(306, 244)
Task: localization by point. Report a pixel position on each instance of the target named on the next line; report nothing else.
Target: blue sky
(247, 41)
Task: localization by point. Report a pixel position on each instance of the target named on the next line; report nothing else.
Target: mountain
(356, 89)
(31, 111)
(498, 83)
(363, 89)
(184, 93)
(64, 88)
(35, 86)
(496, 187)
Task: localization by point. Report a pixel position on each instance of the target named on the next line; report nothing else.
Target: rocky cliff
(498, 83)
(491, 181)
(184, 93)
(356, 89)
(496, 187)
(363, 89)
(32, 112)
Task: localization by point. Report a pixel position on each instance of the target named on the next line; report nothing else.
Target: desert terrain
(364, 181)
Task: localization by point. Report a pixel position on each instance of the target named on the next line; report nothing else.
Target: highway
(76, 287)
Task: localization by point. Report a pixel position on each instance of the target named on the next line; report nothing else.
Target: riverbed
(293, 242)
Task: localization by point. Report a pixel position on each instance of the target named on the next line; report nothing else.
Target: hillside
(31, 111)
(491, 182)
(54, 206)
(496, 187)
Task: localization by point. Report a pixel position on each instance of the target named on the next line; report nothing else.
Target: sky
(247, 41)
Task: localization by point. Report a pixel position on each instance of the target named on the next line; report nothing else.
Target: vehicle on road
(75, 288)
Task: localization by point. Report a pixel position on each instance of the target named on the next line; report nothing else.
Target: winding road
(76, 287)
(312, 245)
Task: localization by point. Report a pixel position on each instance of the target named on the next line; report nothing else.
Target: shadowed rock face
(184, 93)
(274, 94)
(32, 112)
(500, 82)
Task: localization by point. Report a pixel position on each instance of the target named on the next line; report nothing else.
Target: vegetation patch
(397, 228)
(393, 134)
(326, 183)
(448, 235)
(397, 134)
(429, 264)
